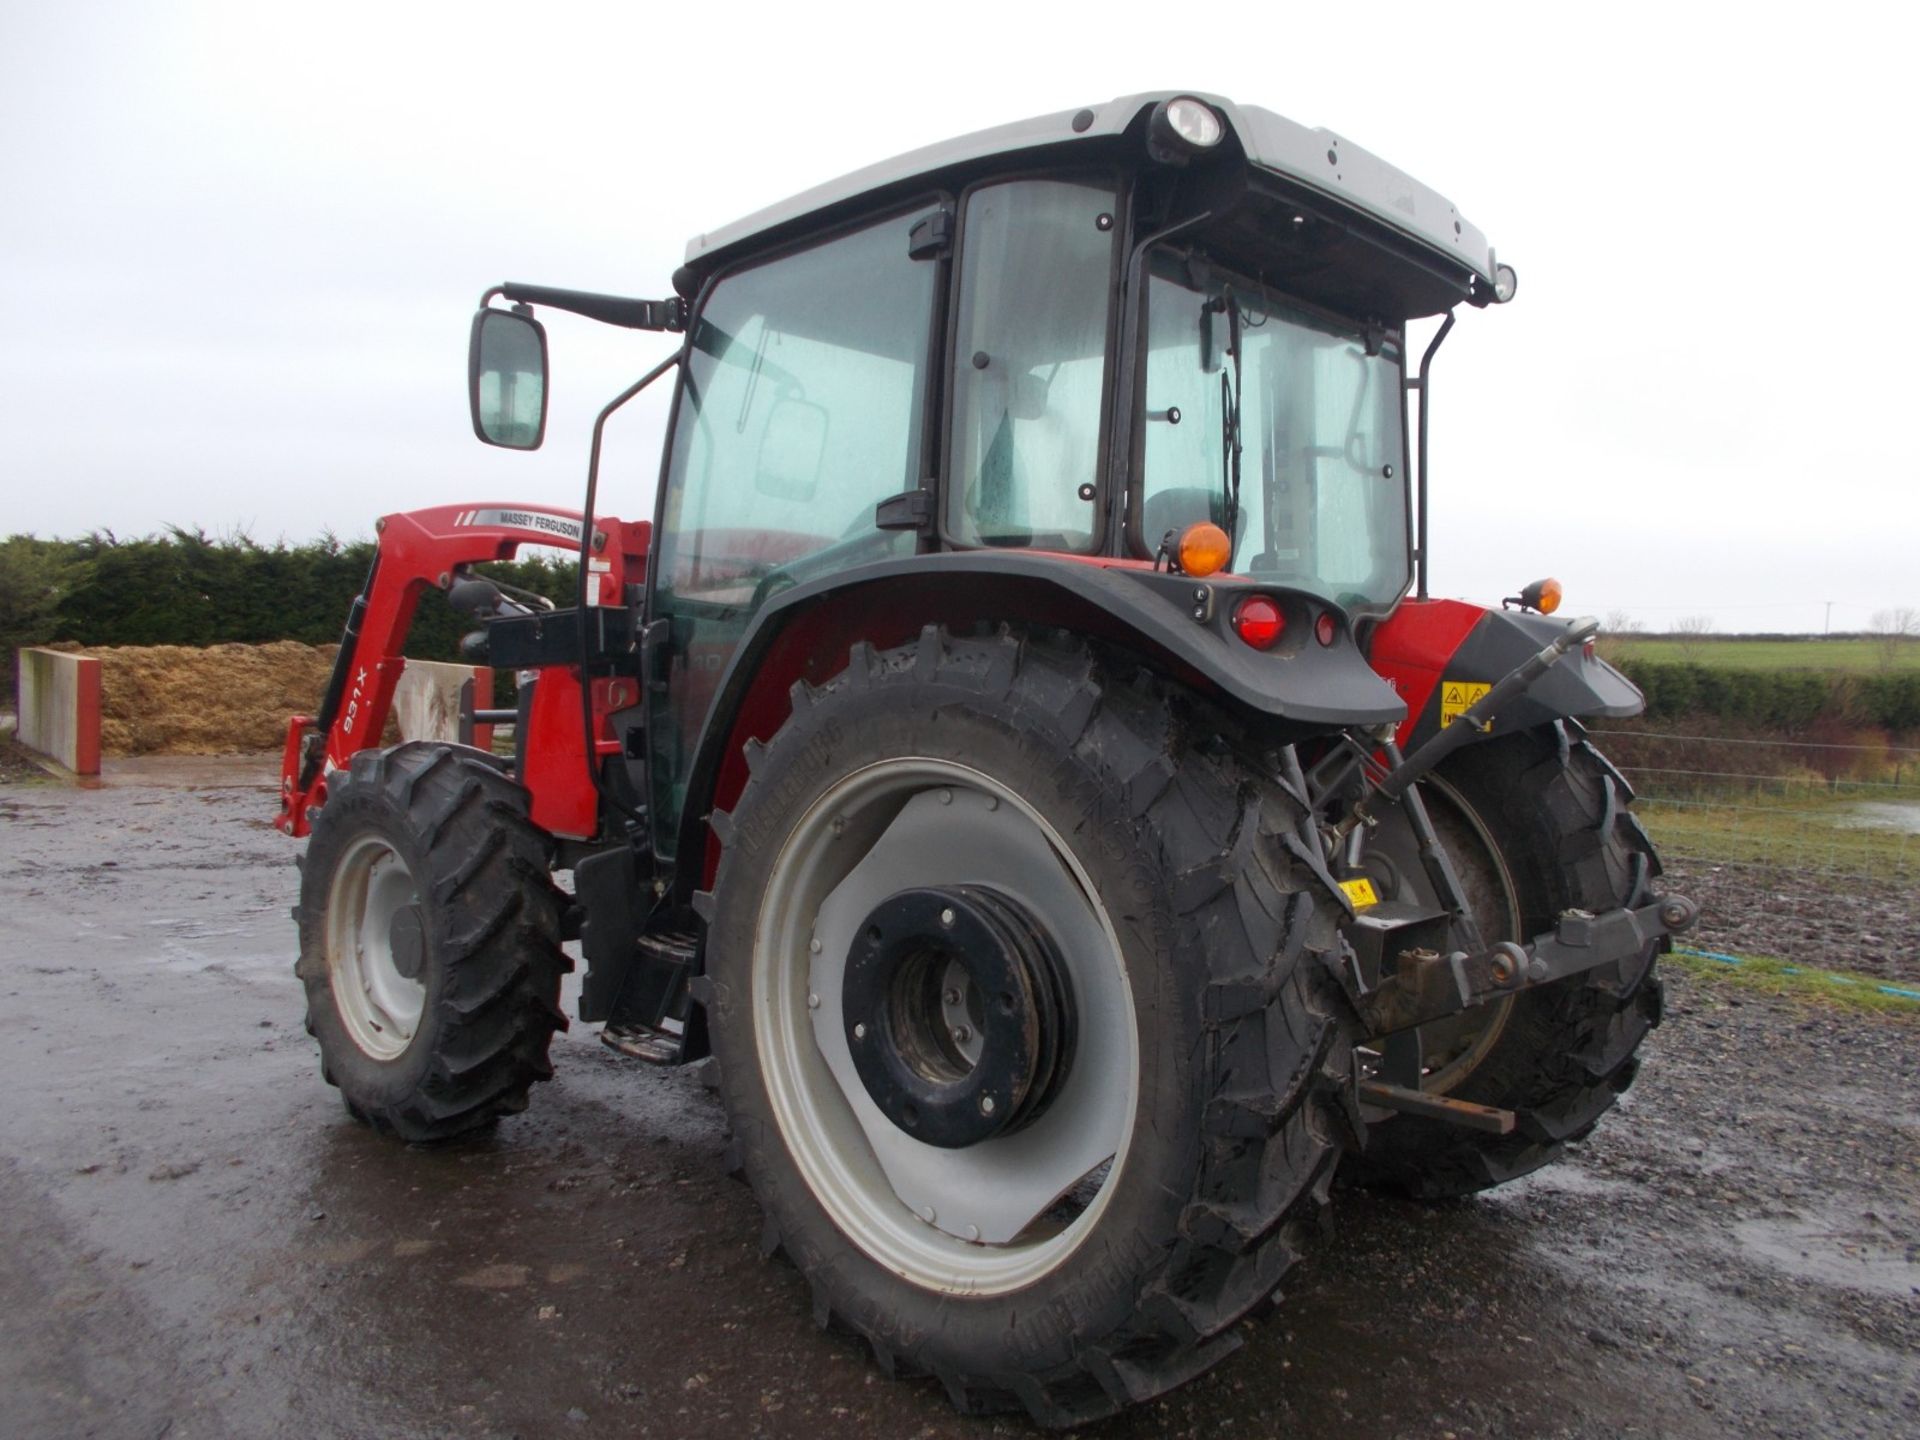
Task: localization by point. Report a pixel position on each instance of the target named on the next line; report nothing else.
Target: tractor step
(643, 1042)
(1437, 1107)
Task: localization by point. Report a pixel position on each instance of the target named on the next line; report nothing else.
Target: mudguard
(1442, 655)
(1299, 688)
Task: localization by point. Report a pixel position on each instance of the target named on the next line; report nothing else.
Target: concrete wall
(59, 698)
(426, 702)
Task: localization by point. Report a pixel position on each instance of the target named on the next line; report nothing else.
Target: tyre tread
(1273, 1054)
(1582, 1034)
(498, 922)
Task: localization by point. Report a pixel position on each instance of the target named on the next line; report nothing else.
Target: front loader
(1019, 753)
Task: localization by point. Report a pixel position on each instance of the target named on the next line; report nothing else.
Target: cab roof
(1317, 159)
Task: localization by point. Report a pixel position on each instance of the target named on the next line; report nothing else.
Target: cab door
(803, 404)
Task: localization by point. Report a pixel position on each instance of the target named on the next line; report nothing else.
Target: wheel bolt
(813, 1001)
(859, 1032)
(986, 1104)
(951, 996)
(946, 918)
(946, 797)
(813, 945)
(962, 1034)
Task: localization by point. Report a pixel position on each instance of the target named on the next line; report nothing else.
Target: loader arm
(418, 549)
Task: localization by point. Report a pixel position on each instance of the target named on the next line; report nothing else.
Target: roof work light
(1182, 128)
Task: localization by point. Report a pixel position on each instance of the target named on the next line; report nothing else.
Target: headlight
(1505, 283)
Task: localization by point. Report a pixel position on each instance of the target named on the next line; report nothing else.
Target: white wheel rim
(379, 1004)
(892, 1196)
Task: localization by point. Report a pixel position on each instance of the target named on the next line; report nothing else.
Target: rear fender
(1175, 624)
(1442, 655)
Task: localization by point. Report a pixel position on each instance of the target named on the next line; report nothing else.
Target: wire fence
(1846, 812)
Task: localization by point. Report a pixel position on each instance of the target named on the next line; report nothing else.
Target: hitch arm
(1429, 986)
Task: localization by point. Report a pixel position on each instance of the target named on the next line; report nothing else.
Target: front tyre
(429, 941)
(1022, 1029)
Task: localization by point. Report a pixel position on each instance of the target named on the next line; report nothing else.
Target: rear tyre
(1555, 814)
(1180, 1146)
(429, 941)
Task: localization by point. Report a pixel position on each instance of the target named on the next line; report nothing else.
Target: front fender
(1176, 623)
(1442, 655)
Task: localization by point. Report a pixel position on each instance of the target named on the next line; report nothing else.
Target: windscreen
(1240, 381)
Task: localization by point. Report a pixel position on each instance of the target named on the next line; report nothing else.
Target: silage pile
(221, 700)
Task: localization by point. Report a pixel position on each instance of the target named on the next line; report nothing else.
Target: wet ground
(198, 1242)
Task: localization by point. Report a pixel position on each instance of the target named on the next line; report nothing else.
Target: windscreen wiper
(1230, 416)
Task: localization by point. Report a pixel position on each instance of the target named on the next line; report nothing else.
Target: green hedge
(1789, 701)
(184, 588)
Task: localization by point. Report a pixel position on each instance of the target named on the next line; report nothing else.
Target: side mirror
(791, 448)
(507, 378)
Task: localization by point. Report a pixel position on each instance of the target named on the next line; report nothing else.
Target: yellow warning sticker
(1360, 892)
(1455, 698)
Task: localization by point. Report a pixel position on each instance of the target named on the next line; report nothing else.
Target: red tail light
(1258, 621)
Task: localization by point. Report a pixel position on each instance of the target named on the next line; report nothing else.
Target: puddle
(1562, 1179)
(1814, 1250)
(1902, 816)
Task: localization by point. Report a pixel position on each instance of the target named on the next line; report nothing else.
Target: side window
(801, 408)
(801, 411)
(1030, 362)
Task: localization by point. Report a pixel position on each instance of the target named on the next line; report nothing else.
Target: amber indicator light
(1204, 549)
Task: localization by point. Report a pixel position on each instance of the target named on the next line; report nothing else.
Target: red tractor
(1011, 752)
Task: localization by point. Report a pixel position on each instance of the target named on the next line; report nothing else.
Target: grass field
(1810, 836)
(1851, 655)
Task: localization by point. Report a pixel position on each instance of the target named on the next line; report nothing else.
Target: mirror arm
(584, 615)
(618, 310)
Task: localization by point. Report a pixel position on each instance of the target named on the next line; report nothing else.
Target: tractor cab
(1165, 333)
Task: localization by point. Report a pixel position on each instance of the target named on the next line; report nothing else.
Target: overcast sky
(240, 244)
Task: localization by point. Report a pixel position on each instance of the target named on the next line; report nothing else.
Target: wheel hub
(958, 1014)
(923, 1209)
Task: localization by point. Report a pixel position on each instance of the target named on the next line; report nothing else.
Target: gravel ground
(1872, 928)
(195, 1241)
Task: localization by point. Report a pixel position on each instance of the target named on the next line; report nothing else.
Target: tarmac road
(199, 1242)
